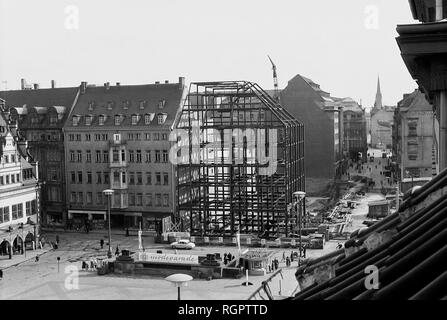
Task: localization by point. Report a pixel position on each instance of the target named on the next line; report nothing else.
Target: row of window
(135, 178)
(126, 104)
(9, 178)
(132, 136)
(135, 199)
(10, 158)
(16, 211)
(119, 118)
(134, 156)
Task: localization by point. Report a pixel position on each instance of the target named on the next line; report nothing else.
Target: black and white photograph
(240, 151)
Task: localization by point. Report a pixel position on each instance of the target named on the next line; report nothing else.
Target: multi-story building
(381, 122)
(40, 115)
(413, 136)
(354, 129)
(320, 115)
(117, 137)
(424, 51)
(18, 206)
(241, 158)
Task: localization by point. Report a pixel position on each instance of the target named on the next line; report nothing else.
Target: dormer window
(101, 120)
(161, 118)
(53, 119)
(117, 120)
(134, 119)
(75, 120)
(91, 105)
(142, 104)
(126, 104)
(148, 117)
(161, 104)
(110, 105)
(88, 120)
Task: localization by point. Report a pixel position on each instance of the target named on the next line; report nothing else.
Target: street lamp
(108, 193)
(299, 195)
(179, 280)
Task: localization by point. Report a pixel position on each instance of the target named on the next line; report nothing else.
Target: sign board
(220, 239)
(233, 240)
(248, 240)
(166, 258)
(206, 239)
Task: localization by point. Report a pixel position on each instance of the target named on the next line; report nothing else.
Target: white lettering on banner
(166, 258)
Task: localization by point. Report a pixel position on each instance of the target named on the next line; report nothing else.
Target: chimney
(53, 84)
(181, 82)
(36, 86)
(118, 84)
(22, 82)
(107, 86)
(157, 82)
(83, 87)
(166, 81)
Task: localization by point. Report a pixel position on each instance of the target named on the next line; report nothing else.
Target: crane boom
(275, 80)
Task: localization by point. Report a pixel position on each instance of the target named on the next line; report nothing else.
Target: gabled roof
(124, 100)
(408, 247)
(40, 97)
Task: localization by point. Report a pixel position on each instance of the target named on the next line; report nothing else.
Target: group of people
(274, 265)
(228, 257)
(90, 264)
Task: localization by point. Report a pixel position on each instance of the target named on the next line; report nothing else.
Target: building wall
(319, 133)
(381, 124)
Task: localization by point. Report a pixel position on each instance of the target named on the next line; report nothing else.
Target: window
(165, 178)
(104, 137)
(131, 199)
(158, 178)
(75, 120)
(71, 137)
(158, 200)
(98, 177)
(157, 156)
(73, 177)
(164, 136)
(156, 136)
(139, 178)
(117, 120)
(99, 198)
(89, 177)
(53, 119)
(20, 210)
(5, 214)
(7, 179)
(165, 156)
(131, 156)
(166, 200)
(147, 136)
(139, 199)
(138, 136)
(73, 197)
(91, 104)
(33, 207)
(13, 158)
(79, 158)
(52, 175)
(106, 178)
(78, 137)
(123, 155)
(97, 137)
(134, 119)
(149, 199)
(147, 119)
(98, 156)
(132, 178)
(138, 156)
(101, 120)
(88, 120)
(79, 176)
(14, 212)
(161, 118)
(116, 156)
(142, 104)
(72, 156)
(13, 178)
(27, 208)
(1, 180)
(110, 105)
(149, 178)
(18, 177)
(116, 177)
(148, 156)
(105, 155)
(80, 197)
(123, 177)
(161, 104)
(412, 127)
(89, 198)
(88, 155)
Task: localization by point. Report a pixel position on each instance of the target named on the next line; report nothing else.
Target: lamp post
(179, 280)
(299, 195)
(108, 193)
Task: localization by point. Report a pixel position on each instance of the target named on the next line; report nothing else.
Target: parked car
(183, 244)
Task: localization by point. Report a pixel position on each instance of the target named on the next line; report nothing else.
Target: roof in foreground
(408, 248)
(40, 97)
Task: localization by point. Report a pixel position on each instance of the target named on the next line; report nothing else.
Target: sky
(342, 45)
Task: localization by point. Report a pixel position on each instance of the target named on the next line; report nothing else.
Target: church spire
(378, 102)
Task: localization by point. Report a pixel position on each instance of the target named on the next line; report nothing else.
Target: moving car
(183, 244)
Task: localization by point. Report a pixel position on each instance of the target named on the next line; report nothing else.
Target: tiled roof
(40, 97)
(125, 101)
(409, 248)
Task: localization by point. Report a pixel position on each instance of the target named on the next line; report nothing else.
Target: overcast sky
(343, 45)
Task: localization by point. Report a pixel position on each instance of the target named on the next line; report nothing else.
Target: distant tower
(378, 102)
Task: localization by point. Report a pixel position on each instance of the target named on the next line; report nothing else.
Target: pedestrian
(127, 232)
(92, 265)
(276, 264)
(287, 262)
(101, 242)
(270, 268)
(37, 258)
(117, 251)
(304, 252)
(57, 239)
(273, 265)
(225, 259)
(230, 257)
(291, 256)
(283, 256)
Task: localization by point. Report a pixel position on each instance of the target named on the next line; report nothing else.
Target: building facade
(354, 129)
(413, 137)
(40, 115)
(117, 137)
(323, 135)
(424, 50)
(18, 205)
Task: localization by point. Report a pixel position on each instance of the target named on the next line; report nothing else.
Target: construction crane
(275, 81)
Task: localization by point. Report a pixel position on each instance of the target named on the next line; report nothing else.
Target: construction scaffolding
(240, 156)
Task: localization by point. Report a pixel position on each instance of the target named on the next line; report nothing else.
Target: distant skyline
(341, 45)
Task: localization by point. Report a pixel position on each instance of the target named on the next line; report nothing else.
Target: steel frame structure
(222, 185)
